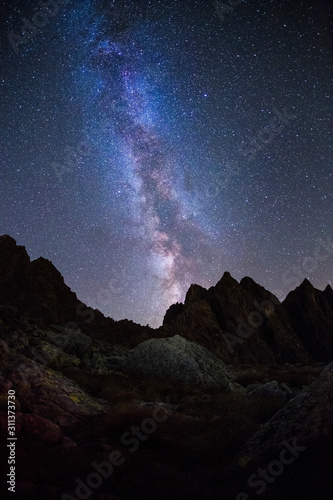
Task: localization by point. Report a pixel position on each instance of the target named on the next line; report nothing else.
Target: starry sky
(148, 145)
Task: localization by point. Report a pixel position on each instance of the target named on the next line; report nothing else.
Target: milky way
(151, 145)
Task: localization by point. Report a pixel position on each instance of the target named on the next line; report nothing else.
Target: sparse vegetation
(207, 421)
(118, 387)
(72, 412)
(295, 377)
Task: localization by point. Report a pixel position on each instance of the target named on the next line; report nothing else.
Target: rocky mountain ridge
(244, 323)
(194, 408)
(238, 322)
(38, 292)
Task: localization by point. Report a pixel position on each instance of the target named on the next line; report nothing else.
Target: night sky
(148, 145)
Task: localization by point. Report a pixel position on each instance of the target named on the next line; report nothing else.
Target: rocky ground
(114, 411)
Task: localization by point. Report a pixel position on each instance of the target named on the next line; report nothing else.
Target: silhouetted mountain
(113, 410)
(39, 293)
(239, 322)
(310, 312)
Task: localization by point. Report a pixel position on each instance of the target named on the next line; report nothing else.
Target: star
(151, 145)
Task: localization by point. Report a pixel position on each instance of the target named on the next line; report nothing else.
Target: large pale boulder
(179, 359)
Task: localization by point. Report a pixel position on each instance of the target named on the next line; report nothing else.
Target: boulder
(269, 390)
(72, 341)
(307, 418)
(291, 455)
(49, 394)
(179, 359)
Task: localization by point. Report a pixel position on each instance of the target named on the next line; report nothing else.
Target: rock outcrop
(307, 418)
(296, 444)
(36, 291)
(179, 359)
(310, 312)
(269, 390)
(164, 400)
(35, 288)
(239, 322)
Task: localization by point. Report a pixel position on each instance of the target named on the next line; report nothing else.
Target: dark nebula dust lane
(151, 145)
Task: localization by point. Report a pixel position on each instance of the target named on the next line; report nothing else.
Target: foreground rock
(269, 390)
(179, 359)
(49, 394)
(296, 444)
(238, 322)
(307, 418)
(209, 445)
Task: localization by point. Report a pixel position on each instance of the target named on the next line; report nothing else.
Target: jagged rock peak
(12, 257)
(252, 286)
(46, 268)
(172, 312)
(304, 288)
(226, 281)
(8, 243)
(328, 293)
(6, 238)
(311, 315)
(306, 284)
(248, 282)
(195, 293)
